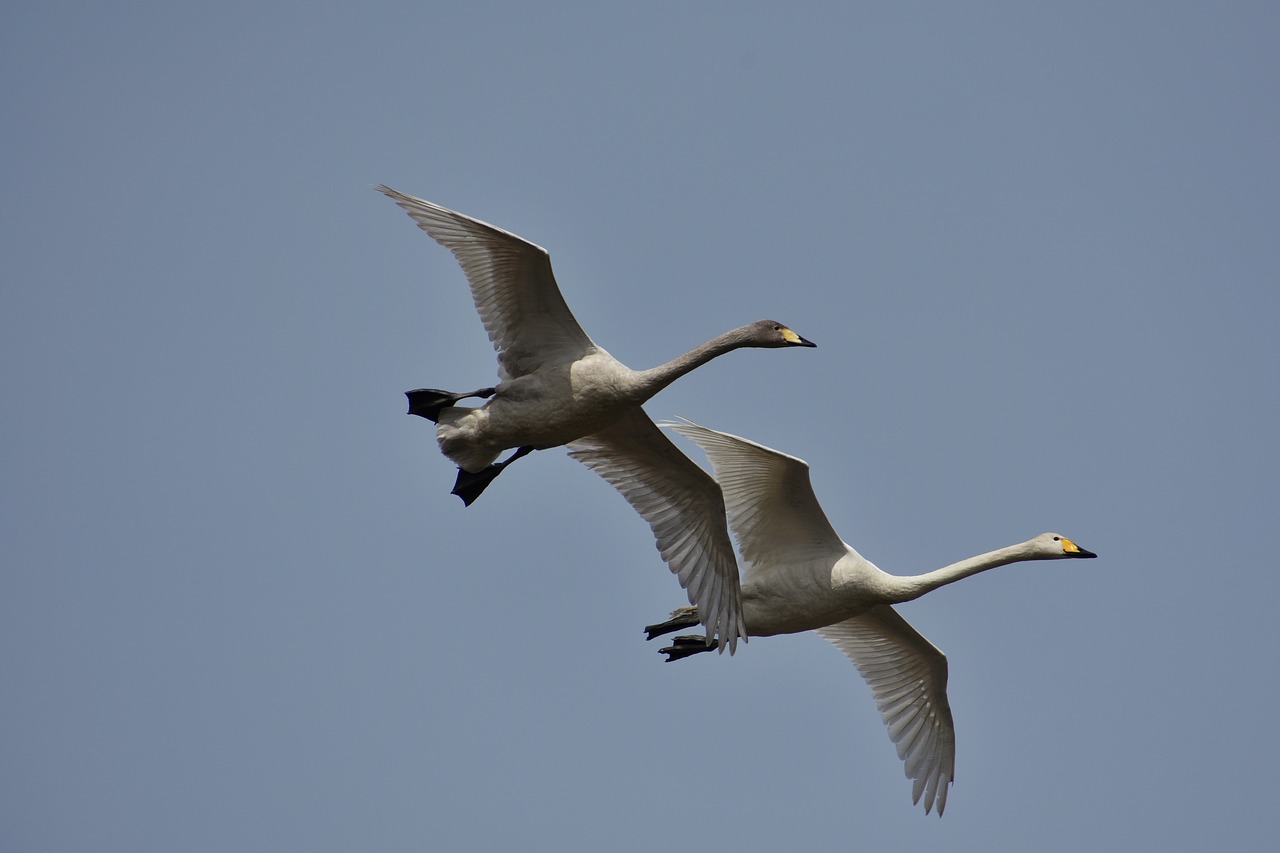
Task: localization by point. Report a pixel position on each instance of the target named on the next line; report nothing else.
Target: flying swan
(558, 387)
(802, 577)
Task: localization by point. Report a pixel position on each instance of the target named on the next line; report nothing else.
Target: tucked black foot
(684, 617)
(683, 647)
(429, 402)
(468, 486)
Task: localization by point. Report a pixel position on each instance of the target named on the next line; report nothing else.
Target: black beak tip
(805, 342)
(1084, 553)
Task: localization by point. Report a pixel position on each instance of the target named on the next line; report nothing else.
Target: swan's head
(771, 333)
(1053, 547)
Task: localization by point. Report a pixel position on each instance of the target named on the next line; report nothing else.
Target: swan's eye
(1057, 539)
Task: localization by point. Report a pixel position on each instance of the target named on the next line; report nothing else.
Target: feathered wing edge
(512, 286)
(685, 510)
(769, 497)
(908, 677)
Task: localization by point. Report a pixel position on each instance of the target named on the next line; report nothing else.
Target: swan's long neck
(655, 379)
(914, 586)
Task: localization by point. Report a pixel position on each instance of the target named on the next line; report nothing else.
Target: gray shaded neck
(655, 379)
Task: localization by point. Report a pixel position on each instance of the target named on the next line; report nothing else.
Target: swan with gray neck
(558, 387)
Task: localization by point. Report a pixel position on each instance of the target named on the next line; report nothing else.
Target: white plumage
(801, 576)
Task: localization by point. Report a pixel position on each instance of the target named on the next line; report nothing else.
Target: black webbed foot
(683, 647)
(683, 617)
(429, 402)
(468, 486)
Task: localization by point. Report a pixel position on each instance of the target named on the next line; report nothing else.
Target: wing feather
(769, 498)
(908, 677)
(512, 285)
(684, 508)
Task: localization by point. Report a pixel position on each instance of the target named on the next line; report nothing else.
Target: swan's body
(558, 387)
(567, 400)
(802, 577)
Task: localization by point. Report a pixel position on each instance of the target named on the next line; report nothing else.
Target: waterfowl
(801, 576)
(558, 387)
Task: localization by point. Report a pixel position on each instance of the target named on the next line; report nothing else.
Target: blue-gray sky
(239, 610)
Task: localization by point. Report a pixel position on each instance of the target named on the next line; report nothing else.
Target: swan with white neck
(801, 576)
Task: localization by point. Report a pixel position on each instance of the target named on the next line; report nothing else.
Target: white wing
(770, 500)
(908, 677)
(684, 508)
(512, 285)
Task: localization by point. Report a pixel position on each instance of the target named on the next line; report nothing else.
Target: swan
(802, 577)
(558, 387)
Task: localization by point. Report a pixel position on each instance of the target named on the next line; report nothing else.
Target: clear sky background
(1039, 250)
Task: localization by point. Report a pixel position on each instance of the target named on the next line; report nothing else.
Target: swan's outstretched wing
(683, 506)
(770, 500)
(513, 287)
(908, 677)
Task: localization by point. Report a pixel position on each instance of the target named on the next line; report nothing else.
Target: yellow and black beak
(1071, 549)
(795, 340)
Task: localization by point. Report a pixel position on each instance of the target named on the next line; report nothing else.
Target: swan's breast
(601, 381)
(795, 597)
